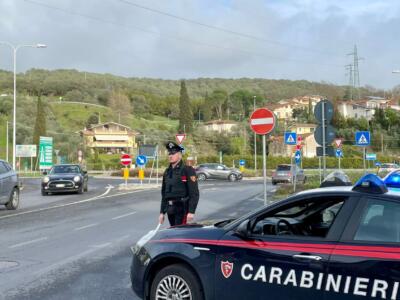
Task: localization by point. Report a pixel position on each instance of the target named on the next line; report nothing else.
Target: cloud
(291, 39)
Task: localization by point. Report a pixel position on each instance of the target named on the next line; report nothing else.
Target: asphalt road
(77, 246)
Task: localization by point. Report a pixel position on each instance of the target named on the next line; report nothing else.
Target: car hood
(62, 176)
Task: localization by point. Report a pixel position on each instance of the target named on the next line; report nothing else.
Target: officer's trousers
(176, 213)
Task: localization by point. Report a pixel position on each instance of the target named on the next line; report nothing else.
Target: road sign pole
(364, 153)
(323, 139)
(294, 176)
(126, 178)
(319, 168)
(265, 170)
(157, 164)
(255, 139)
(339, 162)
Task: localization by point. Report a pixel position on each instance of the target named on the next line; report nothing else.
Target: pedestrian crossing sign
(290, 138)
(363, 138)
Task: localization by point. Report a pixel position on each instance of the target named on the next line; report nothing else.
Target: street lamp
(15, 49)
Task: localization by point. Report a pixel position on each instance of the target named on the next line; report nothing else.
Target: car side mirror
(243, 229)
(44, 173)
(84, 172)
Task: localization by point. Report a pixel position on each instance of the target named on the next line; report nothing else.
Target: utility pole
(255, 138)
(349, 67)
(7, 139)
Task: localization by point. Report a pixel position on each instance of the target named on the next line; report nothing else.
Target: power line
(97, 19)
(225, 30)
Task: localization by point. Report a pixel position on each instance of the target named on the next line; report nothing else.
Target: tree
(185, 110)
(93, 119)
(40, 123)
(119, 103)
(218, 99)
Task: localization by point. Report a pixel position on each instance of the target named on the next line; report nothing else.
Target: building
(284, 108)
(301, 129)
(109, 137)
(220, 125)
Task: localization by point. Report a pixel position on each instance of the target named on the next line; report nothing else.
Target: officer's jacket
(180, 183)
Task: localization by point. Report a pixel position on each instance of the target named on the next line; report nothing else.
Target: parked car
(65, 178)
(217, 171)
(9, 186)
(284, 174)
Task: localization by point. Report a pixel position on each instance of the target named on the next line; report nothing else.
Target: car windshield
(64, 169)
(283, 168)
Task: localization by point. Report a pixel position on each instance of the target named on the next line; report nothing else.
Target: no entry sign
(262, 121)
(126, 159)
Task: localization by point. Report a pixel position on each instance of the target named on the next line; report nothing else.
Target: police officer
(179, 191)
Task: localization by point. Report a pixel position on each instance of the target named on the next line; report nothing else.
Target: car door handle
(307, 257)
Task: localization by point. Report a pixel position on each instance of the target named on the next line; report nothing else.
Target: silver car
(284, 174)
(217, 171)
(9, 186)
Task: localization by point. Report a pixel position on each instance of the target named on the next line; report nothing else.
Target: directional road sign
(370, 156)
(290, 138)
(242, 162)
(262, 121)
(329, 151)
(126, 159)
(141, 160)
(339, 153)
(363, 138)
(297, 157)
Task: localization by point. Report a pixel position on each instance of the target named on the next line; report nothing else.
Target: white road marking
(123, 216)
(87, 226)
(28, 243)
(101, 245)
(62, 205)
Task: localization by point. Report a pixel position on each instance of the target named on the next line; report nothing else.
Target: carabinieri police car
(327, 243)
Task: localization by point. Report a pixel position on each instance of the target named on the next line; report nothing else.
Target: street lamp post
(15, 49)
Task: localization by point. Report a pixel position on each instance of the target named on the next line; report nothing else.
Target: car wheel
(201, 177)
(44, 193)
(304, 180)
(176, 282)
(232, 177)
(80, 190)
(86, 188)
(14, 200)
(273, 182)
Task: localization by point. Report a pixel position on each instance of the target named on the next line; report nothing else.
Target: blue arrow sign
(290, 138)
(242, 162)
(297, 157)
(141, 160)
(339, 153)
(363, 138)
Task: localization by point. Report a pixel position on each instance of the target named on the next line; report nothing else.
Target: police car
(327, 243)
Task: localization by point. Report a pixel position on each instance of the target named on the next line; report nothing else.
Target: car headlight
(46, 179)
(77, 178)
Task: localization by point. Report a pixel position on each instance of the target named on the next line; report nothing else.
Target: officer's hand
(190, 217)
(161, 219)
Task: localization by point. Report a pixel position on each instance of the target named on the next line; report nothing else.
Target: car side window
(3, 168)
(311, 218)
(380, 222)
(219, 167)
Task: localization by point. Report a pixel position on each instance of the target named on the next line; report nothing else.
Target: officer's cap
(173, 147)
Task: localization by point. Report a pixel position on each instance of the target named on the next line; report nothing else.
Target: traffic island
(138, 186)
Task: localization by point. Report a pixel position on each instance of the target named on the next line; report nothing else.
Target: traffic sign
(126, 159)
(180, 137)
(329, 134)
(339, 153)
(370, 156)
(290, 138)
(297, 157)
(328, 108)
(141, 160)
(363, 138)
(329, 151)
(262, 121)
(338, 143)
(242, 162)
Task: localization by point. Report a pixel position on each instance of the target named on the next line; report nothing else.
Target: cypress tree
(185, 110)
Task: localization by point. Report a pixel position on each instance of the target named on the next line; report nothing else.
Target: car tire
(304, 180)
(273, 182)
(13, 202)
(232, 177)
(201, 177)
(183, 279)
(44, 193)
(80, 190)
(86, 189)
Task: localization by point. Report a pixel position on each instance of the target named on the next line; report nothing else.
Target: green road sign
(46, 153)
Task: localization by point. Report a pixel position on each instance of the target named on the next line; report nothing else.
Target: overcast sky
(173, 39)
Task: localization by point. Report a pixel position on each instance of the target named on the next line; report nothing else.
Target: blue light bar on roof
(371, 184)
(392, 180)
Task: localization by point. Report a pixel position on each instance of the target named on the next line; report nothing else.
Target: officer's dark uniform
(179, 191)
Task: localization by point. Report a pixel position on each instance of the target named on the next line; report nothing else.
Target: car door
(223, 171)
(273, 263)
(368, 256)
